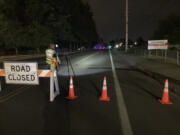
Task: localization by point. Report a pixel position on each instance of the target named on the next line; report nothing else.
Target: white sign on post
(157, 44)
(21, 73)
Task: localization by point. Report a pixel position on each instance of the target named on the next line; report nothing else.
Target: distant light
(117, 46)
(135, 43)
(121, 44)
(110, 46)
(99, 46)
(56, 45)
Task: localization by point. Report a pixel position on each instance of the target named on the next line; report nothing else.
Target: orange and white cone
(165, 96)
(104, 96)
(71, 90)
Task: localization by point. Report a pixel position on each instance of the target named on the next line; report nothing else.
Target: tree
(140, 41)
(83, 26)
(169, 28)
(11, 33)
(37, 36)
(36, 23)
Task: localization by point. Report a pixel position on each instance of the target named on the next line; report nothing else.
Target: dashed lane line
(122, 110)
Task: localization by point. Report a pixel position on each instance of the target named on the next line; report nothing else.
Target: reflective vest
(49, 55)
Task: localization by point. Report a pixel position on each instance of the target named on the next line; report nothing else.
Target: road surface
(26, 110)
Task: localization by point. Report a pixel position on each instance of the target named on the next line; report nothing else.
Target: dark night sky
(109, 16)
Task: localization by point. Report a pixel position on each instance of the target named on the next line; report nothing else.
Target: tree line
(169, 28)
(36, 23)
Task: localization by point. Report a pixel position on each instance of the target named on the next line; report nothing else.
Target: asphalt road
(26, 110)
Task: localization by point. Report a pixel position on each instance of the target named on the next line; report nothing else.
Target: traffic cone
(165, 96)
(71, 90)
(104, 96)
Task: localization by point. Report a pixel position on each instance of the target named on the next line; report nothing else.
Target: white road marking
(86, 58)
(122, 110)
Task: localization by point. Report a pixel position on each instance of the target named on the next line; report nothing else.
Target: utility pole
(126, 47)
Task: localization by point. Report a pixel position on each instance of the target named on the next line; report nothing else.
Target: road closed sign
(21, 73)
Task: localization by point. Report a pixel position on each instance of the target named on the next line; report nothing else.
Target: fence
(170, 56)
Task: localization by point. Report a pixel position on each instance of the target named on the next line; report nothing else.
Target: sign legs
(56, 85)
(53, 81)
(0, 86)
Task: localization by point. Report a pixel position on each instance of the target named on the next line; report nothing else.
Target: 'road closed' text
(21, 73)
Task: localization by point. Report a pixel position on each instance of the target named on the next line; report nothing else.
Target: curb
(174, 83)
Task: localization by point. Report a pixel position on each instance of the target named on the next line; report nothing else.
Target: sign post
(177, 57)
(54, 91)
(165, 56)
(0, 86)
(21, 73)
(158, 44)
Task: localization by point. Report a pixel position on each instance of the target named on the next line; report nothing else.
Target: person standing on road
(51, 60)
(57, 55)
(51, 54)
